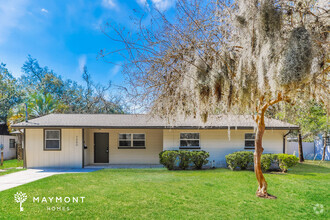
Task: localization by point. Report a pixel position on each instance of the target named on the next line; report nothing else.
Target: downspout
(24, 149)
(83, 148)
(284, 136)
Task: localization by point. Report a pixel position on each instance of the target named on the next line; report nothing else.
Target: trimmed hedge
(199, 158)
(267, 160)
(168, 158)
(243, 159)
(240, 159)
(286, 161)
(184, 159)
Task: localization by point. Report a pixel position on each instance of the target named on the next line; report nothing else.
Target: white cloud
(163, 4)
(82, 62)
(142, 3)
(44, 10)
(160, 4)
(115, 70)
(112, 4)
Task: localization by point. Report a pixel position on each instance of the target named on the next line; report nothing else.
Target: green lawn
(10, 166)
(162, 194)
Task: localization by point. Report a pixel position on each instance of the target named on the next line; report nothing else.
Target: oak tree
(229, 57)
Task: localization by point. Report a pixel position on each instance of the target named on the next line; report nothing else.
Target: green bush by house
(199, 158)
(168, 158)
(243, 159)
(240, 159)
(267, 160)
(286, 161)
(184, 159)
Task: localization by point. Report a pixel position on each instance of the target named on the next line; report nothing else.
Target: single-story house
(7, 142)
(78, 140)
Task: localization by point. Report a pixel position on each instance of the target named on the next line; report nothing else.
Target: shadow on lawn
(309, 169)
(305, 169)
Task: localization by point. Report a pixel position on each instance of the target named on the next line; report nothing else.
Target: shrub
(241, 159)
(168, 158)
(199, 158)
(286, 161)
(184, 159)
(266, 161)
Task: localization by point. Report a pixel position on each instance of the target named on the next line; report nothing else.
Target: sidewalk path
(26, 176)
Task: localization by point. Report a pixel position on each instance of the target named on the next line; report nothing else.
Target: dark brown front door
(101, 148)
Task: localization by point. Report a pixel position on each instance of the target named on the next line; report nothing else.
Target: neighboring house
(77, 140)
(8, 142)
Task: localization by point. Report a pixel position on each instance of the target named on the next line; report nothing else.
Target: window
(52, 139)
(127, 141)
(249, 140)
(189, 140)
(11, 143)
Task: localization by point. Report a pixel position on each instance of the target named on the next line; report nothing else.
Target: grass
(10, 166)
(162, 194)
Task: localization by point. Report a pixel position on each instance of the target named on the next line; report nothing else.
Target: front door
(101, 148)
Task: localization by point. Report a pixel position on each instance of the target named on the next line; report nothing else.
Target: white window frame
(52, 139)
(10, 140)
(189, 139)
(132, 141)
(245, 139)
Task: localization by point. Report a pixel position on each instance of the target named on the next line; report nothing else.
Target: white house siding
(150, 155)
(70, 154)
(218, 143)
(8, 153)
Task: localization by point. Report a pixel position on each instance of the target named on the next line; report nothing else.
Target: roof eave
(155, 127)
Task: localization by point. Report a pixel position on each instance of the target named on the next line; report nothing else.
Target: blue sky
(65, 34)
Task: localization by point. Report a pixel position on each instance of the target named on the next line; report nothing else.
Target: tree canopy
(311, 117)
(221, 56)
(227, 56)
(10, 93)
(45, 92)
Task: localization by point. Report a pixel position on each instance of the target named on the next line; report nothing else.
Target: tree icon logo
(318, 209)
(20, 198)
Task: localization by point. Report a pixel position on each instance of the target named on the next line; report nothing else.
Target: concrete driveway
(19, 178)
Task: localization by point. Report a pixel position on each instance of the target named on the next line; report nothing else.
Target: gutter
(156, 127)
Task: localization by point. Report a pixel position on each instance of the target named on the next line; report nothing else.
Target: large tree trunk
(262, 189)
(300, 149)
(324, 146)
(260, 120)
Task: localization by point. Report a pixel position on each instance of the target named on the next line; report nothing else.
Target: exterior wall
(8, 153)
(149, 155)
(70, 154)
(218, 144)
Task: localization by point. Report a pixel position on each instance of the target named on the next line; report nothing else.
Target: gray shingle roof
(146, 121)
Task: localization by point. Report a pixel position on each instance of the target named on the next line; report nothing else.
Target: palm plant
(40, 104)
